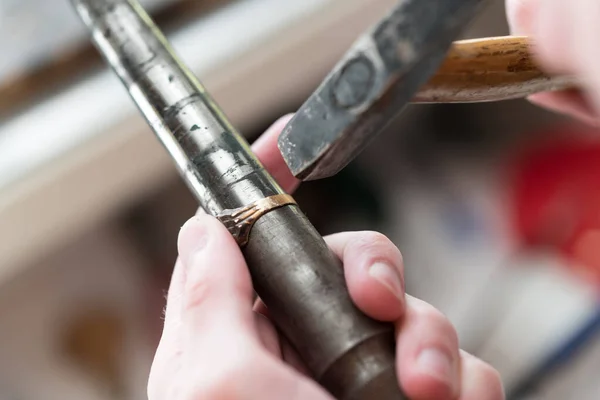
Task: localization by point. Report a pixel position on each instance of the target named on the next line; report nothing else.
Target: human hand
(565, 35)
(217, 344)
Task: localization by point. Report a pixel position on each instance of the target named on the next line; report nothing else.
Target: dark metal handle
(293, 270)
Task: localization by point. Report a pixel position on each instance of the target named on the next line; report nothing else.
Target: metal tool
(409, 56)
(293, 270)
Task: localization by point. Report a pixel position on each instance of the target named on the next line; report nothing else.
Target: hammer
(385, 70)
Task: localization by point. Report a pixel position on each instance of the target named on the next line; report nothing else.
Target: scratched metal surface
(371, 85)
(293, 270)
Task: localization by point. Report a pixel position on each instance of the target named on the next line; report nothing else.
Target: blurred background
(494, 206)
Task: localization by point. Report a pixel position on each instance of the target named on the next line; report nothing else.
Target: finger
(174, 297)
(292, 358)
(217, 295)
(571, 103)
(265, 148)
(558, 29)
(268, 335)
(374, 272)
(427, 353)
(586, 31)
(544, 22)
(553, 34)
(521, 15)
(260, 308)
(286, 351)
(479, 380)
(257, 377)
(165, 360)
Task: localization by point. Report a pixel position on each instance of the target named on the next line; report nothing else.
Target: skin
(217, 344)
(565, 33)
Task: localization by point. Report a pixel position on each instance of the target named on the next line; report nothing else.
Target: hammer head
(371, 85)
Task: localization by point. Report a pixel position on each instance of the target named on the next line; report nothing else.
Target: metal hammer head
(371, 85)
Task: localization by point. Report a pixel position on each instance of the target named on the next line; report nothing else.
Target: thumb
(217, 292)
(219, 331)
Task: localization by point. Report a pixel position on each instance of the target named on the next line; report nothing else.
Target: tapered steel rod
(293, 270)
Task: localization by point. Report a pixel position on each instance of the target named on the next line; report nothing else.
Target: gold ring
(239, 221)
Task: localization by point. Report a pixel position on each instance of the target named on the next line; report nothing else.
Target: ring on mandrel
(239, 221)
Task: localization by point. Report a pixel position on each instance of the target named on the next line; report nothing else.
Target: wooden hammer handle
(491, 69)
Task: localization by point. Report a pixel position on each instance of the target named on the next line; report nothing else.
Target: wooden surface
(490, 69)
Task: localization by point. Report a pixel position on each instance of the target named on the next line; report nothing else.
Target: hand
(217, 345)
(566, 34)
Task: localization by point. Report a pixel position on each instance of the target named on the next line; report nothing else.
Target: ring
(239, 221)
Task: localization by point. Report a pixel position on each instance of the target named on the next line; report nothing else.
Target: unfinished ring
(239, 221)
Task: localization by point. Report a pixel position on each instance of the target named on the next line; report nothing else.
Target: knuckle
(197, 294)
(375, 238)
(156, 386)
(163, 379)
(429, 313)
(198, 285)
(516, 8)
(431, 316)
(485, 382)
(520, 14)
(439, 320)
(224, 382)
(491, 379)
(370, 241)
(217, 389)
(152, 389)
(161, 389)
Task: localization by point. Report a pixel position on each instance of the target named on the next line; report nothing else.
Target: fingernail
(193, 237)
(436, 363)
(388, 277)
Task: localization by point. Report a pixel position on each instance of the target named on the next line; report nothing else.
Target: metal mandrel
(293, 270)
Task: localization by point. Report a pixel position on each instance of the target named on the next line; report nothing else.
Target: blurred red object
(557, 197)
